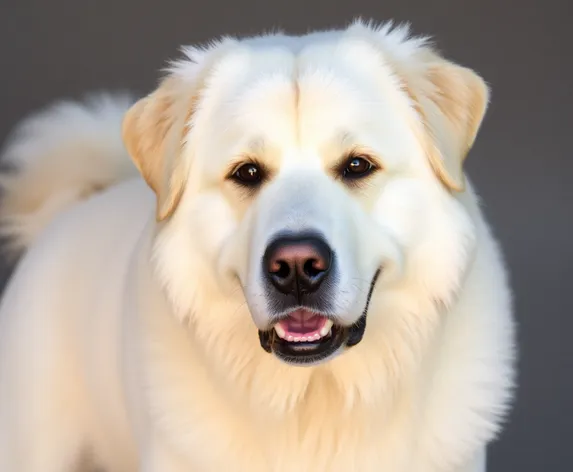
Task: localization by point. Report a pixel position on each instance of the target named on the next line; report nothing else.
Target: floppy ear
(453, 103)
(153, 132)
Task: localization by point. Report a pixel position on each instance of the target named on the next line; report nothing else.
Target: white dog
(310, 286)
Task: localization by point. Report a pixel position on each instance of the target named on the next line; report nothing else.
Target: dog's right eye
(357, 167)
(248, 175)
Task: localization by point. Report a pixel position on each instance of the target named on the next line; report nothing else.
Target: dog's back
(59, 312)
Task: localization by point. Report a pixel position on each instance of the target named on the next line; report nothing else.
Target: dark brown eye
(357, 167)
(248, 175)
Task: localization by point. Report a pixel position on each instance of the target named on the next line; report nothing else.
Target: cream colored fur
(128, 331)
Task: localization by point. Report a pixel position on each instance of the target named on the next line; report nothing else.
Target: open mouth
(304, 337)
(307, 337)
(303, 326)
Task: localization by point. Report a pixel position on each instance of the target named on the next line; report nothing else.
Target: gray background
(522, 162)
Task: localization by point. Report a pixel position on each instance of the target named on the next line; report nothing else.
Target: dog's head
(313, 177)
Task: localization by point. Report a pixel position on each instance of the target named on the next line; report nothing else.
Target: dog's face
(314, 173)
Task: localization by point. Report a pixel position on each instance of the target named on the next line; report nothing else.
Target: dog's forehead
(306, 94)
(312, 111)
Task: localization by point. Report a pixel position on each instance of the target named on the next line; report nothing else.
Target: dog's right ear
(153, 132)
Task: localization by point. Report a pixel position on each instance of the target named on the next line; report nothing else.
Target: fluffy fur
(128, 331)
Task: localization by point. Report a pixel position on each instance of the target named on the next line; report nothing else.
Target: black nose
(297, 265)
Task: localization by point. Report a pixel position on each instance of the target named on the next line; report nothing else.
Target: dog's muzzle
(306, 337)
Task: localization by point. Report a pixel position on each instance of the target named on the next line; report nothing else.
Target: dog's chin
(320, 342)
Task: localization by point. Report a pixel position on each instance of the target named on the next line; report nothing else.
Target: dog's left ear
(153, 131)
(452, 101)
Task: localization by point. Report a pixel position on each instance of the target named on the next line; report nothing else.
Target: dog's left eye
(357, 167)
(248, 175)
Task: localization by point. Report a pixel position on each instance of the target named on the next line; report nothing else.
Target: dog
(272, 262)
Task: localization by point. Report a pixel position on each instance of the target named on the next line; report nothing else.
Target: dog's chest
(324, 437)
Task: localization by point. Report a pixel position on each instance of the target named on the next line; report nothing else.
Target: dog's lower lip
(304, 352)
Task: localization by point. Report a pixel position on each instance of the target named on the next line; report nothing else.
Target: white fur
(131, 345)
(83, 138)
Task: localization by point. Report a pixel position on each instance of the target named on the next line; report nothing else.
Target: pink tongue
(302, 323)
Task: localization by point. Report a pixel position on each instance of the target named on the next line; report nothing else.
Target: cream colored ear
(153, 131)
(453, 104)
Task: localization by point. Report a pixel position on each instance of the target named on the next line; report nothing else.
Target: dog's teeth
(280, 331)
(298, 339)
(326, 328)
